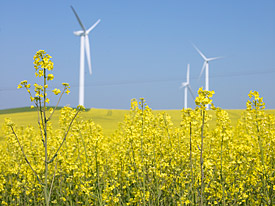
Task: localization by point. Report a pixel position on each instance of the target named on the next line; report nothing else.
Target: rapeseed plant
(42, 64)
(201, 101)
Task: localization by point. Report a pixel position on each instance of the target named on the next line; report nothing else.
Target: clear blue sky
(141, 49)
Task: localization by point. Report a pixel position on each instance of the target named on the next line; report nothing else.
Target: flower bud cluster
(204, 98)
(42, 61)
(256, 103)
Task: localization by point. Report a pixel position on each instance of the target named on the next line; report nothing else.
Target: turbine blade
(94, 25)
(189, 88)
(88, 55)
(214, 58)
(203, 66)
(78, 19)
(205, 59)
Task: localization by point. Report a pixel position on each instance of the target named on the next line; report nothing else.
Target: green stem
(57, 103)
(51, 187)
(262, 154)
(223, 200)
(201, 158)
(45, 143)
(97, 174)
(142, 156)
(56, 153)
(191, 163)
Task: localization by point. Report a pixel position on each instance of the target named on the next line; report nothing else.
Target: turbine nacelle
(186, 87)
(211, 59)
(86, 32)
(184, 84)
(204, 57)
(206, 61)
(79, 33)
(205, 67)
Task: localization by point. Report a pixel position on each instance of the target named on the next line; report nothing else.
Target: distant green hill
(24, 109)
(15, 110)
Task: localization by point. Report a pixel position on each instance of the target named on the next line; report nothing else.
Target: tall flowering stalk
(190, 122)
(201, 101)
(43, 64)
(255, 107)
(142, 104)
(223, 129)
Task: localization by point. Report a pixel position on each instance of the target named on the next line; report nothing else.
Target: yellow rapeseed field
(147, 160)
(109, 119)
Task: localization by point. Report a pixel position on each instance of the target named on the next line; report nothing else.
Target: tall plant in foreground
(43, 64)
(223, 132)
(255, 107)
(201, 101)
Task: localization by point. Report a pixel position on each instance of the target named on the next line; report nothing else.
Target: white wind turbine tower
(206, 67)
(84, 46)
(186, 85)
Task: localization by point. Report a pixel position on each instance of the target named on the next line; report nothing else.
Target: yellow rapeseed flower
(81, 107)
(51, 110)
(56, 91)
(50, 77)
(65, 84)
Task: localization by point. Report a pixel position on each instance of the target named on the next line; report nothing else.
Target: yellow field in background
(108, 119)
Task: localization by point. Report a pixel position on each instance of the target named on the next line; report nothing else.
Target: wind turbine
(84, 46)
(206, 67)
(186, 85)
